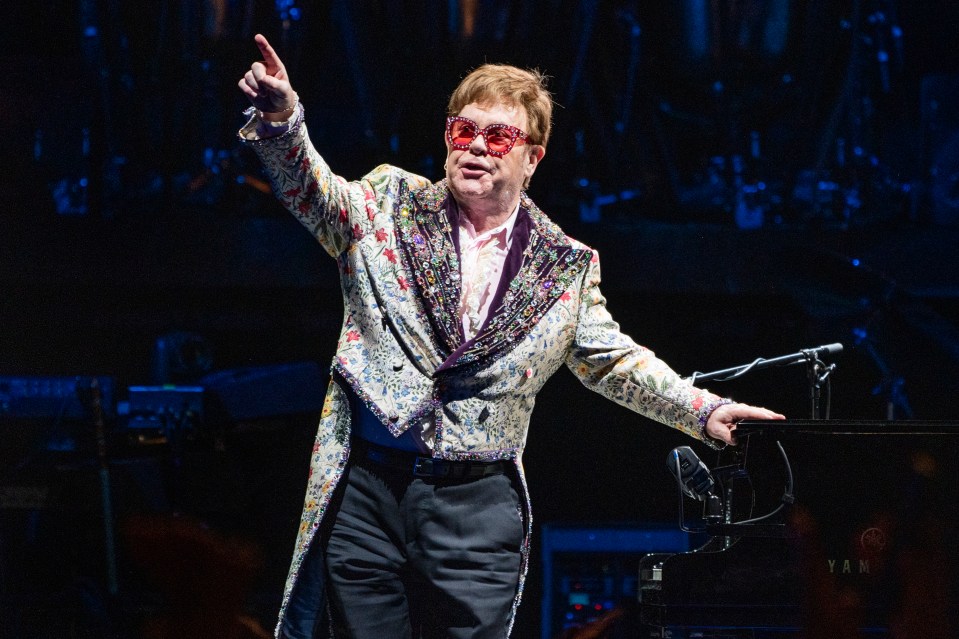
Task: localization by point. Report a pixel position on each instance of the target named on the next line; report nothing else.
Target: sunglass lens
(462, 132)
(498, 139)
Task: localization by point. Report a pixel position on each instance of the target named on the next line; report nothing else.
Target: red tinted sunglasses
(499, 138)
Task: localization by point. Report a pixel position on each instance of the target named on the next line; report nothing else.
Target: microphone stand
(817, 372)
(106, 503)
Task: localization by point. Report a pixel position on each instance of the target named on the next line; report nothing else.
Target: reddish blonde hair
(492, 83)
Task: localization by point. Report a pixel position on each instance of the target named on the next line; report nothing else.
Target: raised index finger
(273, 62)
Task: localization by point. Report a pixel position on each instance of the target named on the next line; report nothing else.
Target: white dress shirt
(482, 257)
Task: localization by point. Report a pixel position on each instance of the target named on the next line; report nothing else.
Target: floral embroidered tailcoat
(401, 349)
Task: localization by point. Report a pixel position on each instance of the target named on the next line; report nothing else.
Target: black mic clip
(692, 474)
(696, 482)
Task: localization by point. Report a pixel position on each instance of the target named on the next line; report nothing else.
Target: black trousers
(411, 558)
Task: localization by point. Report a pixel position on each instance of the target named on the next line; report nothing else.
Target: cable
(742, 371)
(788, 496)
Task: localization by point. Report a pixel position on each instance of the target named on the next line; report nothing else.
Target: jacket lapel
(429, 249)
(540, 266)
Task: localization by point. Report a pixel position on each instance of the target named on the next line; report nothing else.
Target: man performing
(461, 298)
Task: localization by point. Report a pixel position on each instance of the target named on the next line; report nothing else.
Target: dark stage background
(759, 177)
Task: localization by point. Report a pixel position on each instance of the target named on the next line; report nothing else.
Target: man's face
(484, 183)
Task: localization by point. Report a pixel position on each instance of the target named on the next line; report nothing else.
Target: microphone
(828, 349)
(690, 471)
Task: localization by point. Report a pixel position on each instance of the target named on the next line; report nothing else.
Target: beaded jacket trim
(550, 265)
(393, 425)
(426, 237)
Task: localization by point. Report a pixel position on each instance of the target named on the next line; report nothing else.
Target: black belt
(426, 467)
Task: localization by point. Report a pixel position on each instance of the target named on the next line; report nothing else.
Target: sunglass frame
(516, 135)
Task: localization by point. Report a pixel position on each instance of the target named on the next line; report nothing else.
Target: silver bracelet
(296, 101)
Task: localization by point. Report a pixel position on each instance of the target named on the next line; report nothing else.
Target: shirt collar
(507, 226)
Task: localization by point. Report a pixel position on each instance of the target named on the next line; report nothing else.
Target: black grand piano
(854, 533)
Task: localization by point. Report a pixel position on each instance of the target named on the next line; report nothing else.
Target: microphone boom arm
(805, 355)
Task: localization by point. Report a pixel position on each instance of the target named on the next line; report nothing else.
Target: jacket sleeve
(612, 364)
(334, 210)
